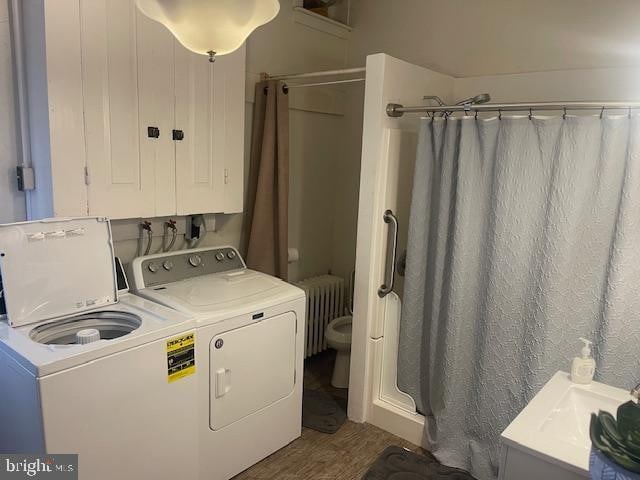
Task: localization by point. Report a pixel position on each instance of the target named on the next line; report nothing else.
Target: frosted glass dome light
(210, 27)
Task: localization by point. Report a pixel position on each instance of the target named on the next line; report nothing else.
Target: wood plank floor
(344, 455)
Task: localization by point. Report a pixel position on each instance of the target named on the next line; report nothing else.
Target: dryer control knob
(153, 267)
(195, 260)
(219, 256)
(88, 335)
(167, 265)
(231, 255)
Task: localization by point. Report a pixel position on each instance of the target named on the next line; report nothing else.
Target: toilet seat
(339, 330)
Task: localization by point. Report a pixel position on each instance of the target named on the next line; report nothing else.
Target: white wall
(468, 37)
(346, 184)
(12, 202)
(314, 162)
(604, 84)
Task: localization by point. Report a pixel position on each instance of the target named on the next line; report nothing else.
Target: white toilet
(339, 338)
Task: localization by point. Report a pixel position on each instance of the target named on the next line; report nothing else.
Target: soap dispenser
(583, 367)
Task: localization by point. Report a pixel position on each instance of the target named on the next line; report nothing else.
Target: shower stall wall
(388, 154)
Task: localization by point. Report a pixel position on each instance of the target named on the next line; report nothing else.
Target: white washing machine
(83, 371)
(249, 350)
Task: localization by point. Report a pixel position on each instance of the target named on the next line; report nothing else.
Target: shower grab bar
(392, 247)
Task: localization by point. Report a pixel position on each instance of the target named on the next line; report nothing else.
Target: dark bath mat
(396, 463)
(322, 412)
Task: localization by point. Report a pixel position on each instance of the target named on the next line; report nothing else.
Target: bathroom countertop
(555, 424)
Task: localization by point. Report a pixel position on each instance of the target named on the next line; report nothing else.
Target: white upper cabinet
(162, 129)
(127, 73)
(207, 96)
(54, 84)
(234, 67)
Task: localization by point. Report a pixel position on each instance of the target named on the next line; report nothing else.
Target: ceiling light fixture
(210, 27)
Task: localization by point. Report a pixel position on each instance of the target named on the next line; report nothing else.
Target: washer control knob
(153, 267)
(195, 260)
(231, 254)
(219, 256)
(167, 265)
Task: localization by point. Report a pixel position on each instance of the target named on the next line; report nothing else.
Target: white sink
(553, 429)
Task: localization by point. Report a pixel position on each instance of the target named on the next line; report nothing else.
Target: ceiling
(483, 37)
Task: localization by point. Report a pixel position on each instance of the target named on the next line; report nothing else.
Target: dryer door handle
(223, 382)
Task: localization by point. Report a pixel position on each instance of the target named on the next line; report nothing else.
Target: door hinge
(226, 176)
(87, 176)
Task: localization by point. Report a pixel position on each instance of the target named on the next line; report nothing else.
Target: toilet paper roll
(294, 255)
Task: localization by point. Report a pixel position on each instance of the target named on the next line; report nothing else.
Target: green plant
(618, 439)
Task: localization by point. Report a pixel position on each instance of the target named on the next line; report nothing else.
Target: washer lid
(56, 267)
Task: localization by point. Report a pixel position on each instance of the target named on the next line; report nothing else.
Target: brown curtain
(266, 225)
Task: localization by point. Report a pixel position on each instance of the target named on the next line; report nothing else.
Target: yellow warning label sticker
(181, 357)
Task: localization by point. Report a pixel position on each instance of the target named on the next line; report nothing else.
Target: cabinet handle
(153, 132)
(178, 135)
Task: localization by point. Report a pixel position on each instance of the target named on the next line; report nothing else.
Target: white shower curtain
(524, 235)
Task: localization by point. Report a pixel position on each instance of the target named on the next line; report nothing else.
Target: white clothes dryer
(249, 351)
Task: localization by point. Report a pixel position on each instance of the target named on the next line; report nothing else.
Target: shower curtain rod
(318, 84)
(325, 73)
(396, 110)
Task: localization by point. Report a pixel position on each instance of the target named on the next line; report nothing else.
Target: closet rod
(397, 110)
(318, 84)
(325, 73)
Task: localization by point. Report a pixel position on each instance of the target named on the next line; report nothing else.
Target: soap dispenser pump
(583, 367)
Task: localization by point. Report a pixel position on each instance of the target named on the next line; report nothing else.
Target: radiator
(325, 301)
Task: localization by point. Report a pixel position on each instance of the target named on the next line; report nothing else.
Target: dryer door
(252, 367)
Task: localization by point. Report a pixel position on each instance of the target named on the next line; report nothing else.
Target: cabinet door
(234, 152)
(127, 67)
(210, 111)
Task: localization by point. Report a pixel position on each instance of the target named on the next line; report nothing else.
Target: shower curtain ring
(601, 113)
(499, 114)
(530, 113)
(564, 115)
(476, 115)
